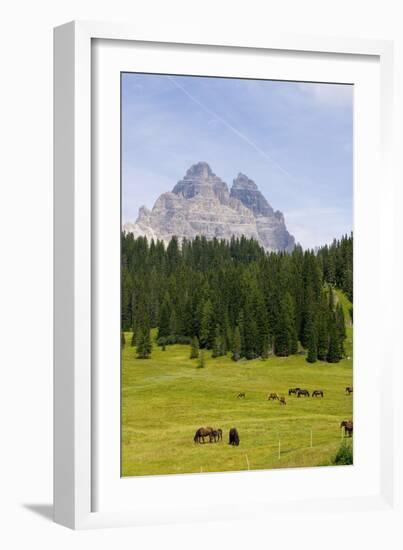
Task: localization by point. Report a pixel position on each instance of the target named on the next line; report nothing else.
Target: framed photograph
(221, 252)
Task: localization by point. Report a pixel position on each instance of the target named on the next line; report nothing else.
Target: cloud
(331, 95)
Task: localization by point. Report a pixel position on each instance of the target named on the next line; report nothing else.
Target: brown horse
(241, 395)
(233, 437)
(317, 393)
(217, 435)
(201, 433)
(348, 427)
(293, 391)
(349, 390)
(272, 396)
(282, 401)
(305, 393)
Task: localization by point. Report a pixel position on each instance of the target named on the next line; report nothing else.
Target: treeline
(235, 297)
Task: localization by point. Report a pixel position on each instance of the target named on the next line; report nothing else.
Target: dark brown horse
(317, 393)
(201, 433)
(349, 390)
(272, 396)
(233, 437)
(348, 427)
(241, 395)
(282, 401)
(305, 393)
(217, 435)
(293, 391)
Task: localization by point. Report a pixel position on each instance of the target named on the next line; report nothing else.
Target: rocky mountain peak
(201, 180)
(201, 204)
(200, 170)
(243, 182)
(246, 191)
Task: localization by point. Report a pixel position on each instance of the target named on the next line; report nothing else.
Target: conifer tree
(164, 320)
(218, 343)
(312, 343)
(144, 345)
(133, 342)
(202, 362)
(285, 342)
(194, 348)
(206, 325)
(334, 351)
(236, 345)
(323, 328)
(229, 338)
(241, 328)
(265, 349)
(281, 335)
(173, 323)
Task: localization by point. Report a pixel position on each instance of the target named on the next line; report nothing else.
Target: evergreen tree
(334, 350)
(285, 342)
(144, 345)
(323, 328)
(218, 343)
(236, 345)
(173, 323)
(265, 349)
(241, 328)
(206, 336)
(164, 320)
(126, 291)
(194, 348)
(312, 343)
(133, 342)
(202, 362)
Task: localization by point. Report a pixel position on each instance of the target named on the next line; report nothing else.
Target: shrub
(344, 455)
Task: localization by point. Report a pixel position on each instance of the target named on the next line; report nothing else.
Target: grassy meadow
(166, 398)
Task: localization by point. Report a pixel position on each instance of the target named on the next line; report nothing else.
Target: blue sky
(293, 139)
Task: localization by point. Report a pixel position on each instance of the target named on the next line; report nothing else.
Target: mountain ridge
(202, 204)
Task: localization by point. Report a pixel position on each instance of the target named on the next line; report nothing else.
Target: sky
(293, 139)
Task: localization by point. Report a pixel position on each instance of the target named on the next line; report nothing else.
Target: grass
(166, 398)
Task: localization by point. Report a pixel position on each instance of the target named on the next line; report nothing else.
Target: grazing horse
(349, 390)
(305, 393)
(293, 391)
(241, 395)
(201, 433)
(317, 393)
(272, 396)
(282, 401)
(348, 427)
(233, 437)
(217, 435)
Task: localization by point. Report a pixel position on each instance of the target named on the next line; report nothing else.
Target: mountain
(201, 204)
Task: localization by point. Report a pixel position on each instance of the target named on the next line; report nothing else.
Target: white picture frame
(80, 430)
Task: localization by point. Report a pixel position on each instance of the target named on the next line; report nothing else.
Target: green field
(166, 398)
